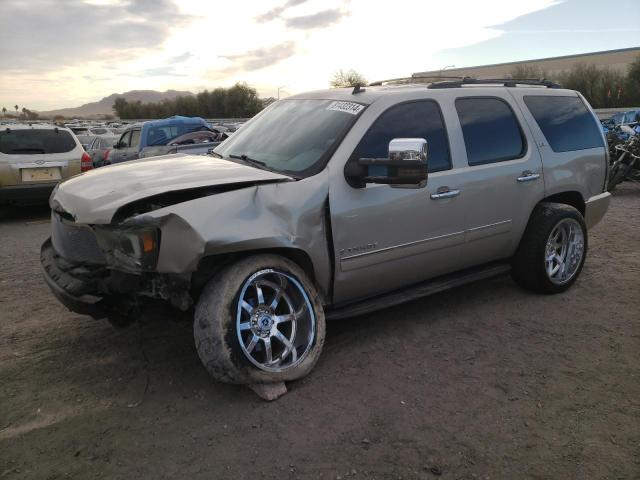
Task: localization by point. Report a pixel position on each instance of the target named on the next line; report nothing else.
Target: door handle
(444, 192)
(528, 177)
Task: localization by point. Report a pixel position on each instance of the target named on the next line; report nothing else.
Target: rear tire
(553, 249)
(261, 300)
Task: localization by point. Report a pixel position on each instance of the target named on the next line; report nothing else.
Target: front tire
(553, 249)
(259, 321)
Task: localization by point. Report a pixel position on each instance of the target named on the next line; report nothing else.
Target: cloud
(276, 12)
(46, 35)
(316, 20)
(167, 71)
(180, 58)
(260, 58)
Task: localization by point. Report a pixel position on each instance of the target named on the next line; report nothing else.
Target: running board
(419, 290)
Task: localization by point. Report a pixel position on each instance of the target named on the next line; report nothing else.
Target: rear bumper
(595, 208)
(26, 194)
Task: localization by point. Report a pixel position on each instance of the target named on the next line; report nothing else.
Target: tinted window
(408, 120)
(491, 131)
(565, 122)
(28, 142)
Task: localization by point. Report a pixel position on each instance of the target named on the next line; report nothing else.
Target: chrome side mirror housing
(406, 166)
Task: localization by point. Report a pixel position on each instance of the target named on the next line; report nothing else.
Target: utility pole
(280, 88)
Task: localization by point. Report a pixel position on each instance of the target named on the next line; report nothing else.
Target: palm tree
(4, 111)
(16, 107)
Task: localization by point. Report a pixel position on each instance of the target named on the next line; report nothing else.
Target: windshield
(293, 136)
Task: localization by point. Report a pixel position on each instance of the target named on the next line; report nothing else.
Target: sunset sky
(57, 53)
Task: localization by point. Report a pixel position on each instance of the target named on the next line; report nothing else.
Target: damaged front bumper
(70, 290)
(100, 292)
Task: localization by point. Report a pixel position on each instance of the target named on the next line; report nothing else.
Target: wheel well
(569, 198)
(211, 265)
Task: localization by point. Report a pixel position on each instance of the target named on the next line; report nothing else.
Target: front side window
(293, 136)
(420, 119)
(124, 140)
(565, 122)
(490, 129)
(34, 141)
(135, 138)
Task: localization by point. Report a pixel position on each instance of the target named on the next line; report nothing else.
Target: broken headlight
(132, 249)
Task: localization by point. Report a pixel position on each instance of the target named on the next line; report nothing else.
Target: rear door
(501, 179)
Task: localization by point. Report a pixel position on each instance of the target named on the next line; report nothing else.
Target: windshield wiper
(250, 161)
(217, 155)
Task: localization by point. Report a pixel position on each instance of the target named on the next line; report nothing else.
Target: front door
(386, 237)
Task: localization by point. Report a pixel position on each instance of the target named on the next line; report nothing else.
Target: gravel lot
(485, 381)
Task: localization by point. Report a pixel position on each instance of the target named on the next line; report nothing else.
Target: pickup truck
(152, 134)
(331, 204)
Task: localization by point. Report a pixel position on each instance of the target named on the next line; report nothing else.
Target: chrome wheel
(275, 321)
(564, 251)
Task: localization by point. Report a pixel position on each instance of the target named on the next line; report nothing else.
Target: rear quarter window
(565, 122)
(32, 142)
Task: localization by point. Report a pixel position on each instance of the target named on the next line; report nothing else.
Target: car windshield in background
(293, 136)
(28, 142)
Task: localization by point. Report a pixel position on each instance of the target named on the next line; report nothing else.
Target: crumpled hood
(95, 196)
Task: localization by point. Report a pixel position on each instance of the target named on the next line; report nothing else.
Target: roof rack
(507, 82)
(379, 83)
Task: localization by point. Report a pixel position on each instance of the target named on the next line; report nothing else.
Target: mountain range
(105, 106)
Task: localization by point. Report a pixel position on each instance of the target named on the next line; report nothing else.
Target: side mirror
(406, 166)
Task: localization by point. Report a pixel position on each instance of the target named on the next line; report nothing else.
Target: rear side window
(565, 122)
(490, 129)
(421, 119)
(29, 142)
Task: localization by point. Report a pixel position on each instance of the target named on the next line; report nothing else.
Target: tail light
(85, 162)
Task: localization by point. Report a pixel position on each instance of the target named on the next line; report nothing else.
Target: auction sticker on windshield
(347, 107)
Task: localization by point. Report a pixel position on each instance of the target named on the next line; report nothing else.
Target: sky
(64, 53)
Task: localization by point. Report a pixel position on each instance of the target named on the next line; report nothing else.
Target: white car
(34, 159)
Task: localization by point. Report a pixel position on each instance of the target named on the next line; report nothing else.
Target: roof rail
(411, 79)
(507, 82)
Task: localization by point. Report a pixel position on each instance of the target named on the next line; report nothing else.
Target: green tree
(348, 78)
(632, 84)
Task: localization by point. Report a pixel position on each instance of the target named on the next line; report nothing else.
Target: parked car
(331, 204)
(99, 148)
(33, 159)
(154, 133)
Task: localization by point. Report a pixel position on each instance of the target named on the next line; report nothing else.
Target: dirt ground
(485, 381)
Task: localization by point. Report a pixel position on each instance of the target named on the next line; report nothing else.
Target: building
(614, 59)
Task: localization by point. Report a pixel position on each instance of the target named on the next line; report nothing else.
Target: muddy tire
(553, 249)
(258, 301)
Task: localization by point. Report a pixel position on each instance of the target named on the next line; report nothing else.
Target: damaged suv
(331, 204)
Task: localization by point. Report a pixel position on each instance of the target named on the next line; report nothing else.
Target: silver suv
(331, 204)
